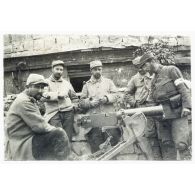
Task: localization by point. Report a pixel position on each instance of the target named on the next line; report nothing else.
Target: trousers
(53, 145)
(171, 133)
(149, 143)
(64, 120)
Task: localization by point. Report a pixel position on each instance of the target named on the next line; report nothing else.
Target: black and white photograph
(97, 97)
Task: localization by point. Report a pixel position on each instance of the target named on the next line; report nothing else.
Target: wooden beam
(71, 59)
(183, 60)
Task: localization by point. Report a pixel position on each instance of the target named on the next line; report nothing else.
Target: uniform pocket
(165, 89)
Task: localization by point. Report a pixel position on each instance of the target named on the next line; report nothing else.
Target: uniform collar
(159, 69)
(54, 80)
(32, 99)
(93, 80)
(147, 75)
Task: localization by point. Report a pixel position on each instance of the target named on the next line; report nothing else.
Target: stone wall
(29, 45)
(36, 52)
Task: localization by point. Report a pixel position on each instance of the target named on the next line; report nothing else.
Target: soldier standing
(168, 88)
(137, 95)
(98, 95)
(60, 97)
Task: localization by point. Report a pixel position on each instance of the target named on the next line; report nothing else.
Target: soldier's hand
(94, 102)
(61, 96)
(60, 129)
(103, 100)
(46, 96)
(185, 112)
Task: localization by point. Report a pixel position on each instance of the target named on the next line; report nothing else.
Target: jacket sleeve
(179, 82)
(129, 93)
(112, 95)
(84, 100)
(53, 96)
(72, 94)
(32, 117)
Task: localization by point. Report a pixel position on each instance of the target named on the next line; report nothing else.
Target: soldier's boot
(183, 152)
(168, 151)
(154, 142)
(146, 148)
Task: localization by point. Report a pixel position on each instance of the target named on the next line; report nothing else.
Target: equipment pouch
(176, 101)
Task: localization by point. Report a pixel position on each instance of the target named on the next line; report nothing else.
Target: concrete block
(141, 157)
(17, 37)
(172, 41)
(8, 49)
(49, 43)
(131, 40)
(127, 157)
(91, 41)
(103, 39)
(129, 150)
(38, 45)
(7, 55)
(37, 36)
(62, 40)
(183, 40)
(7, 40)
(76, 41)
(17, 47)
(114, 39)
(28, 45)
(81, 148)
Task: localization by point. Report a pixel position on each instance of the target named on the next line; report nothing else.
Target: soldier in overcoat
(30, 137)
(98, 96)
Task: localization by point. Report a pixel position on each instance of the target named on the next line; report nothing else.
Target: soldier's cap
(95, 63)
(144, 58)
(36, 79)
(57, 62)
(136, 61)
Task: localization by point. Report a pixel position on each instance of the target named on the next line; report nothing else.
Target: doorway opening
(77, 83)
(78, 74)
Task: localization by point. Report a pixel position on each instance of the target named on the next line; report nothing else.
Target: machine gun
(132, 122)
(111, 119)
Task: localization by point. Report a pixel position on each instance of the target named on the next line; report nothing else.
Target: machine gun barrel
(148, 111)
(111, 119)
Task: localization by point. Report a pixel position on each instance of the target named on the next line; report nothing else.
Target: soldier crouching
(30, 137)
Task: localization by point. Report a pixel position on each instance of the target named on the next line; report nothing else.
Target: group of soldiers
(32, 136)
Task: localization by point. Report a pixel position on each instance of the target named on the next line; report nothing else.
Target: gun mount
(129, 121)
(133, 128)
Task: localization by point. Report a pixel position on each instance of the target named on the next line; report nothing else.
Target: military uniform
(95, 89)
(137, 94)
(167, 84)
(30, 136)
(59, 112)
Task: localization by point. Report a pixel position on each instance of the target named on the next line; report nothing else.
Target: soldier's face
(97, 72)
(57, 71)
(36, 91)
(147, 67)
(141, 71)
